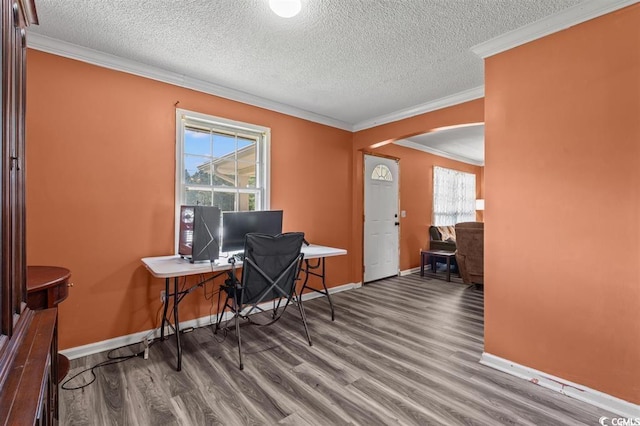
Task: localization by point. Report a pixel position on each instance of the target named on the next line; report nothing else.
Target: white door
(381, 222)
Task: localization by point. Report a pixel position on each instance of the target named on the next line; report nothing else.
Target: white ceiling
(462, 143)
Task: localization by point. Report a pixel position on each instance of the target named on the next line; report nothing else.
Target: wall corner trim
(565, 387)
(105, 60)
(569, 17)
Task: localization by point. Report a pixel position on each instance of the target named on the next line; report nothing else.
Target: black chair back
(269, 272)
(271, 266)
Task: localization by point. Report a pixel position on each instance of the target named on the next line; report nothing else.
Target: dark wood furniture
(430, 256)
(470, 254)
(29, 394)
(46, 287)
(28, 347)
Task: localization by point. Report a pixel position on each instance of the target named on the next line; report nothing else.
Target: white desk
(168, 267)
(175, 266)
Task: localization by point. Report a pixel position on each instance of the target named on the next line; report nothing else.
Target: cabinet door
(13, 273)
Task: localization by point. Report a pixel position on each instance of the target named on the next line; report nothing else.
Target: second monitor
(235, 225)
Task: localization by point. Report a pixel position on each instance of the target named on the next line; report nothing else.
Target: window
(221, 163)
(454, 196)
(381, 172)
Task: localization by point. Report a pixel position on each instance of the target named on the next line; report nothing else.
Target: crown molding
(457, 98)
(413, 145)
(567, 18)
(105, 60)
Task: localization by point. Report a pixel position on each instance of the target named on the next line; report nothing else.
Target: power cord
(143, 353)
(113, 360)
(110, 360)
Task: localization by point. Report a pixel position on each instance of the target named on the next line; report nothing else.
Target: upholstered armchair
(440, 241)
(470, 251)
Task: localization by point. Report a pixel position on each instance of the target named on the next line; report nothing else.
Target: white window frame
(263, 172)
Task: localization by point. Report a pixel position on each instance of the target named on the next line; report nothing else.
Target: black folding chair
(270, 270)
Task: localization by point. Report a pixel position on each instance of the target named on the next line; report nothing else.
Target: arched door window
(381, 172)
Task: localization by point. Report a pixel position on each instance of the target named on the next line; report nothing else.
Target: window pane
(248, 145)
(246, 175)
(247, 202)
(197, 170)
(224, 146)
(381, 172)
(198, 197)
(246, 154)
(225, 201)
(197, 142)
(224, 172)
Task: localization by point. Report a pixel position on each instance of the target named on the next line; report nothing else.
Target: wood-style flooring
(402, 351)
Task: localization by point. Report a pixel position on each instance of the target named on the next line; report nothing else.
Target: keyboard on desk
(238, 257)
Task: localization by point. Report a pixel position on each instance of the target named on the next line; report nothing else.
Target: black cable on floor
(110, 360)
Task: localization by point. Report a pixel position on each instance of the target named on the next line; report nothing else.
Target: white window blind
(454, 196)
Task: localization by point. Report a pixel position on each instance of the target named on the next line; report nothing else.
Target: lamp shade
(480, 204)
(285, 8)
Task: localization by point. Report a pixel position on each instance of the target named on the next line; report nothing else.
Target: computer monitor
(235, 225)
(199, 233)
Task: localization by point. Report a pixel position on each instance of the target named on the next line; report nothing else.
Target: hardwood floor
(402, 351)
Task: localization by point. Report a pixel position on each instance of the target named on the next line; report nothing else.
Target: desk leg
(177, 322)
(422, 261)
(326, 290)
(166, 306)
(449, 268)
(308, 271)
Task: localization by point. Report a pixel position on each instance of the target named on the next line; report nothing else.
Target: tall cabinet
(28, 346)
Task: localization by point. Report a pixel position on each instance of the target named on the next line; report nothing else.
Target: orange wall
(416, 196)
(412, 170)
(562, 240)
(100, 188)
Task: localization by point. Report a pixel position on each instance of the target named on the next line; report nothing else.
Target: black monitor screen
(235, 225)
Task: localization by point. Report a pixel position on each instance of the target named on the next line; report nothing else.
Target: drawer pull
(70, 285)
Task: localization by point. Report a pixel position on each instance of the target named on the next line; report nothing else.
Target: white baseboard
(574, 390)
(139, 337)
(409, 271)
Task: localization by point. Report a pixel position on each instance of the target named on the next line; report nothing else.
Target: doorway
(381, 221)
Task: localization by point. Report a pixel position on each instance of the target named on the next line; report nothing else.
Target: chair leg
(239, 341)
(226, 302)
(304, 317)
(237, 315)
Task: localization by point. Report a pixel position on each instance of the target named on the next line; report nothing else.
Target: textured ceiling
(349, 60)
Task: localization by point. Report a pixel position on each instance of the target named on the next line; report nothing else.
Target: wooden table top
(439, 252)
(41, 277)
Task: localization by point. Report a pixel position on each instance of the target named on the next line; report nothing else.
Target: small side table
(46, 287)
(434, 254)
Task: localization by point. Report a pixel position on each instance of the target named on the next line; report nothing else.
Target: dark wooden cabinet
(28, 344)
